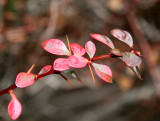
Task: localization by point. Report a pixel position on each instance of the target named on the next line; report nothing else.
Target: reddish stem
(104, 57)
(57, 72)
(7, 89)
(146, 49)
(48, 73)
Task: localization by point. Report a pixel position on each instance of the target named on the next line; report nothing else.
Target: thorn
(10, 92)
(74, 77)
(70, 83)
(31, 68)
(67, 80)
(91, 72)
(68, 45)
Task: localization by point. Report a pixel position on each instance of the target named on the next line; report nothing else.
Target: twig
(7, 89)
(153, 70)
(49, 32)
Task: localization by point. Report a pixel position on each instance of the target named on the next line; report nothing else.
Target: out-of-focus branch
(114, 104)
(49, 32)
(153, 70)
(2, 19)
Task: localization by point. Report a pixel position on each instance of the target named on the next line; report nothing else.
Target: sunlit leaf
(61, 64)
(103, 71)
(90, 48)
(131, 59)
(14, 107)
(77, 49)
(45, 69)
(55, 46)
(103, 39)
(77, 61)
(124, 36)
(116, 52)
(24, 79)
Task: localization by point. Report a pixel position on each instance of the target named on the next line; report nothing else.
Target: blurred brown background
(25, 24)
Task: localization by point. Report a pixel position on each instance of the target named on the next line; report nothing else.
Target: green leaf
(116, 52)
(73, 75)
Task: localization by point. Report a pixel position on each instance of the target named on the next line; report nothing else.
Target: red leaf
(124, 36)
(55, 46)
(77, 61)
(90, 48)
(103, 71)
(14, 107)
(24, 79)
(77, 49)
(45, 69)
(131, 59)
(61, 64)
(103, 39)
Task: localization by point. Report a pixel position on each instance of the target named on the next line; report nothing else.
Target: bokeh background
(25, 24)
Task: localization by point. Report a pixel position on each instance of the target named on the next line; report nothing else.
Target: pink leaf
(135, 69)
(90, 48)
(24, 79)
(61, 64)
(14, 107)
(77, 61)
(122, 35)
(77, 49)
(74, 75)
(45, 69)
(55, 46)
(103, 39)
(103, 71)
(131, 59)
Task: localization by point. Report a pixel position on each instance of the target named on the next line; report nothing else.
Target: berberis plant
(74, 59)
